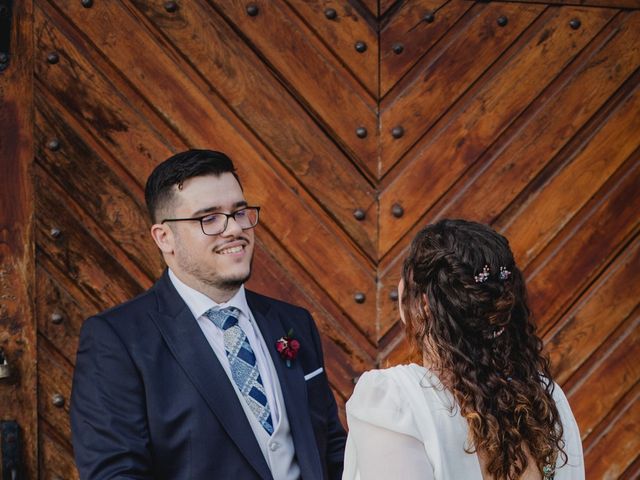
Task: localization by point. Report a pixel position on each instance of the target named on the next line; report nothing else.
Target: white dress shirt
(199, 303)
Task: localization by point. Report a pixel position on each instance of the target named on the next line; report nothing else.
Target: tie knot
(223, 318)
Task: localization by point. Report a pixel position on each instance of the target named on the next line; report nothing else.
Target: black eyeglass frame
(226, 220)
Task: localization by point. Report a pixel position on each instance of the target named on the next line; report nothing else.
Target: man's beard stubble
(194, 268)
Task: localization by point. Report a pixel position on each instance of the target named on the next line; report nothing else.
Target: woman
(482, 405)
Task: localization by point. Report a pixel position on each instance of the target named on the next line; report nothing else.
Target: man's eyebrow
(213, 209)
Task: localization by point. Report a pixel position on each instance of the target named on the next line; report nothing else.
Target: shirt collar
(199, 303)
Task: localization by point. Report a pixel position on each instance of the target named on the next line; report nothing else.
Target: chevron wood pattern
(524, 115)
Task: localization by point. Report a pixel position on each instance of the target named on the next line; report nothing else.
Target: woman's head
(460, 280)
(463, 301)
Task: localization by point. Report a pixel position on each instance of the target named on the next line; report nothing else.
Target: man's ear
(163, 236)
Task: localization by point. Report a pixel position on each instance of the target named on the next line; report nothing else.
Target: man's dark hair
(178, 168)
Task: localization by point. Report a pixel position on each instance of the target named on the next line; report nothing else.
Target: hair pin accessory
(482, 276)
(504, 273)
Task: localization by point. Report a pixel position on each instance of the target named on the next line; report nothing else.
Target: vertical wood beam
(17, 254)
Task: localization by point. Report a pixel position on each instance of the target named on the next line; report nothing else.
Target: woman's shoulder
(382, 398)
(385, 389)
(385, 377)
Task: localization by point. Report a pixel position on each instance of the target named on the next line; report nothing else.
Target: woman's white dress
(403, 425)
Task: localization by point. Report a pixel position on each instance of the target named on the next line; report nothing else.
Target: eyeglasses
(216, 223)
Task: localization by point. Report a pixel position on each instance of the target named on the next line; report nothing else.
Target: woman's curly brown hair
(479, 339)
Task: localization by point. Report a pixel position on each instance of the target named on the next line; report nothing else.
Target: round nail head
(502, 21)
(397, 132)
(56, 232)
(331, 13)
(53, 144)
(53, 58)
(361, 132)
(397, 48)
(575, 23)
(252, 10)
(359, 214)
(87, 3)
(429, 17)
(56, 318)
(397, 210)
(171, 7)
(359, 297)
(361, 47)
(393, 295)
(57, 400)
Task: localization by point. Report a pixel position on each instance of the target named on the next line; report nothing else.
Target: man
(198, 378)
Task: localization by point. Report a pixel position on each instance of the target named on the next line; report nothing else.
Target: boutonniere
(288, 347)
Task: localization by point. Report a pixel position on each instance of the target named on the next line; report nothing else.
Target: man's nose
(233, 228)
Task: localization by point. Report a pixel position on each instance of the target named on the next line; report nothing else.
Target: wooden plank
(598, 313)
(619, 444)
(615, 372)
(313, 74)
(633, 471)
(341, 33)
(372, 5)
(556, 124)
(408, 27)
(76, 252)
(257, 97)
(589, 243)
(17, 327)
(59, 315)
(101, 103)
(54, 380)
(628, 4)
(201, 118)
(385, 5)
(448, 71)
(56, 461)
(603, 226)
(556, 202)
(441, 157)
(103, 196)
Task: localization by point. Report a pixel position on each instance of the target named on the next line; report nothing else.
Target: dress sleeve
(384, 441)
(574, 469)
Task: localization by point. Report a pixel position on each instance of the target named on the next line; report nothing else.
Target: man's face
(218, 263)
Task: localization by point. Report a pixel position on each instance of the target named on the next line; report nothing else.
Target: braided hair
(465, 308)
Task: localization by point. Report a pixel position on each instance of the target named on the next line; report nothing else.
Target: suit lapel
(294, 388)
(192, 351)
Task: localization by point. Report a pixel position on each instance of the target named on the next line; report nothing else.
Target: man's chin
(233, 283)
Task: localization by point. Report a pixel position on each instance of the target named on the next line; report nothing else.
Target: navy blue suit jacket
(151, 400)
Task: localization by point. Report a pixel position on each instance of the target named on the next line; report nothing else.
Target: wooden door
(353, 124)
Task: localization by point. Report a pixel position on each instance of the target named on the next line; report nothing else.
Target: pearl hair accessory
(483, 276)
(504, 273)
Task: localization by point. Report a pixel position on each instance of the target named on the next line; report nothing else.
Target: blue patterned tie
(242, 361)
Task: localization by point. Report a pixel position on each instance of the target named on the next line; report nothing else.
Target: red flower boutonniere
(288, 347)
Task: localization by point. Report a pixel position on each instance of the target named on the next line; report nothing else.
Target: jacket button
(273, 446)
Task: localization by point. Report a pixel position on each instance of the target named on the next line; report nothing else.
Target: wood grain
(438, 160)
(619, 442)
(17, 261)
(448, 72)
(530, 126)
(340, 34)
(313, 73)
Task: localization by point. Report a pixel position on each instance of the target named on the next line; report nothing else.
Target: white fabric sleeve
(574, 469)
(384, 441)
